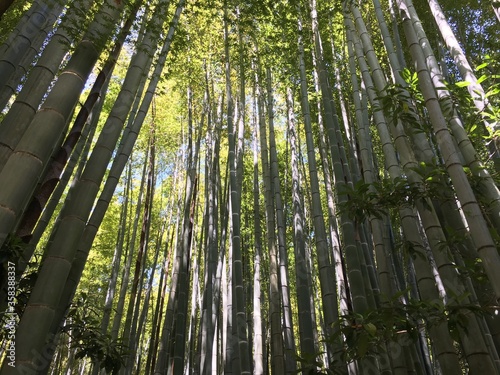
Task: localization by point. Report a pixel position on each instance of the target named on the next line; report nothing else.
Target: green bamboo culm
(25, 165)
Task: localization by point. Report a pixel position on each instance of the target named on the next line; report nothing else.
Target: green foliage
(311, 365)
(12, 17)
(98, 268)
(491, 79)
(83, 326)
(405, 103)
(12, 249)
(398, 323)
(376, 199)
(474, 121)
(391, 327)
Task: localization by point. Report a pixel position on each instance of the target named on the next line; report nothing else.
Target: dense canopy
(250, 187)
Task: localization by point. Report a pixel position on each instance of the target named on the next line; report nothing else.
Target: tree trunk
(40, 22)
(277, 352)
(23, 171)
(308, 347)
(28, 100)
(258, 339)
(236, 265)
(289, 339)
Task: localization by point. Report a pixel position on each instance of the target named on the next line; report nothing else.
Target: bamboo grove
(237, 187)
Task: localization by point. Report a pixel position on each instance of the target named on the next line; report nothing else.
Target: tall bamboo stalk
(243, 361)
(439, 334)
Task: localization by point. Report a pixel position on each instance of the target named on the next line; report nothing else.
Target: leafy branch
(83, 327)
